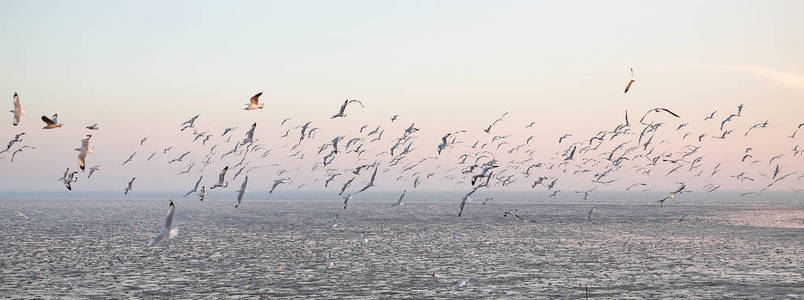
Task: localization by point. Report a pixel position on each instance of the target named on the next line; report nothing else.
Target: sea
(506, 245)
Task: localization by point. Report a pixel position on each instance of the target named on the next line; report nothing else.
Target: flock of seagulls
(351, 163)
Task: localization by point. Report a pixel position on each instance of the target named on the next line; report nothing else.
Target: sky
(139, 68)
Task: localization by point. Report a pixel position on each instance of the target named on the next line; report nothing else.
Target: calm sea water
(93, 245)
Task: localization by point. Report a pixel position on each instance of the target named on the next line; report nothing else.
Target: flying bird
(52, 122)
(628, 87)
(342, 112)
(168, 231)
(241, 191)
(399, 201)
(129, 186)
(93, 127)
(17, 111)
(83, 151)
(255, 102)
(658, 109)
(195, 188)
(129, 158)
(221, 179)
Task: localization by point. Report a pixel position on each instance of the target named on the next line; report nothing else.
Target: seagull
(51, 122)
(250, 134)
(563, 137)
(711, 116)
(202, 193)
(254, 102)
(190, 123)
(342, 112)
(83, 151)
(329, 263)
(227, 130)
(658, 109)
(463, 282)
(188, 169)
(93, 127)
(18, 111)
(673, 194)
(167, 230)
(363, 240)
(727, 120)
(346, 200)
(17, 139)
(241, 192)
(628, 87)
(589, 214)
(345, 185)
(128, 187)
(69, 178)
(26, 217)
(335, 222)
(178, 159)
(221, 183)
(92, 170)
(129, 158)
(371, 181)
(20, 150)
(399, 201)
(195, 188)
(464, 200)
(277, 182)
(394, 117)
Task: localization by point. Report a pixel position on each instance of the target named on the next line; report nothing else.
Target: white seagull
(255, 102)
(221, 183)
(195, 188)
(93, 127)
(399, 202)
(18, 111)
(69, 178)
(83, 151)
(250, 134)
(463, 282)
(167, 230)
(241, 192)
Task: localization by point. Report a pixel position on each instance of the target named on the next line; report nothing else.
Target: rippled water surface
(96, 248)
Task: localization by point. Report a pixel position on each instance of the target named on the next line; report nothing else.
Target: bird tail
(173, 233)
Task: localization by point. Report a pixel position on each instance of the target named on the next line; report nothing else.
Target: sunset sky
(139, 69)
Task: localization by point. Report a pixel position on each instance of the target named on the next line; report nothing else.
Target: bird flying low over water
(221, 179)
(168, 231)
(129, 186)
(254, 102)
(241, 192)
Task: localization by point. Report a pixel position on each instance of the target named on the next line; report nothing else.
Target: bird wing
(256, 98)
(48, 121)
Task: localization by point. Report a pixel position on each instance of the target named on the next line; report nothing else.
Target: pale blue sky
(152, 64)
